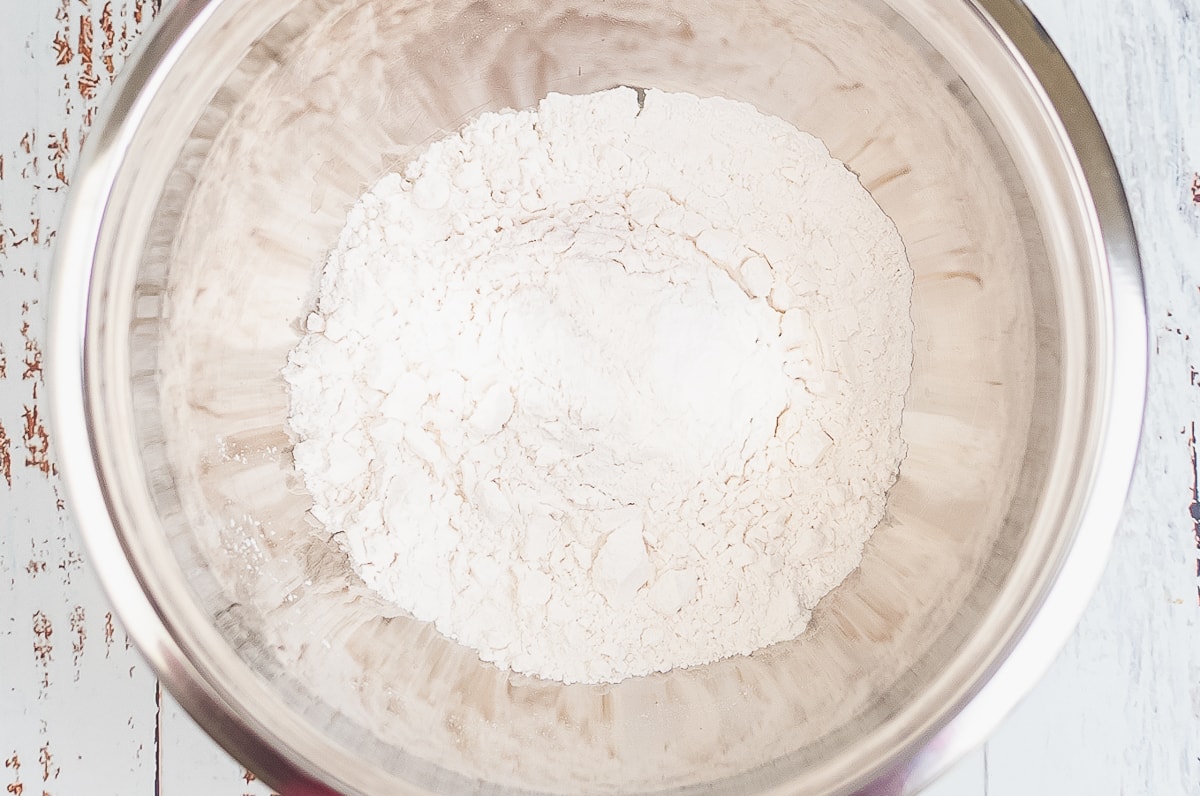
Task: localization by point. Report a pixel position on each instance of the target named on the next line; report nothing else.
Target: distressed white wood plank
(1118, 712)
(77, 711)
(191, 763)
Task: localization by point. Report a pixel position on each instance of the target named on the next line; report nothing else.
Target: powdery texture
(608, 387)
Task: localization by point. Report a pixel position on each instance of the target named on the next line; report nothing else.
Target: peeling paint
(62, 49)
(110, 37)
(37, 441)
(33, 359)
(16, 788)
(6, 457)
(71, 563)
(43, 648)
(88, 80)
(60, 149)
(109, 631)
(49, 770)
(79, 636)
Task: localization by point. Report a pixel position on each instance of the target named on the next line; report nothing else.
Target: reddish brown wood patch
(43, 629)
(49, 770)
(33, 358)
(78, 636)
(60, 149)
(5, 456)
(37, 441)
(62, 49)
(109, 630)
(14, 763)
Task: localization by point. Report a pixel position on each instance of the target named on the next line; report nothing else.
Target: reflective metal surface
(220, 175)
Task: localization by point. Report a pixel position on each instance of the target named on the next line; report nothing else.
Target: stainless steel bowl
(219, 176)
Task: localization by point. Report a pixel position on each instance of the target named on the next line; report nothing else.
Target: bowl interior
(306, 104)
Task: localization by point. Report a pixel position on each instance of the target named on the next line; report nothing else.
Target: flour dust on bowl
(244, 132)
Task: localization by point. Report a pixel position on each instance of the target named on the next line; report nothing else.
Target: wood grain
(1118, 714)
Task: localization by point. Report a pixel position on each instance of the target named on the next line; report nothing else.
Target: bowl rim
(1014, 668)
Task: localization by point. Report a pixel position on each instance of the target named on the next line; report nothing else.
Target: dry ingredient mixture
(608, 387)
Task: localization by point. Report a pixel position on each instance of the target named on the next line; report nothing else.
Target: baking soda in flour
(610, 386)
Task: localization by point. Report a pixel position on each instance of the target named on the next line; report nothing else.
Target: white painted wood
(77, 711)
(1118, 714)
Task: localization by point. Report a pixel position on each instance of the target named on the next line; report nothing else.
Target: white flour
(602, 389)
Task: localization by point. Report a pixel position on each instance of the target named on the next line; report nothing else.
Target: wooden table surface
(1119, 714)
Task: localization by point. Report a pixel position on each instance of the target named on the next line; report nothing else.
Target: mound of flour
(608, 387)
